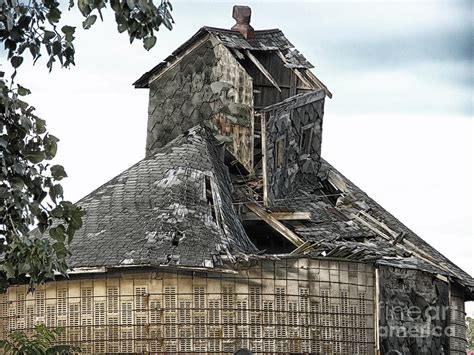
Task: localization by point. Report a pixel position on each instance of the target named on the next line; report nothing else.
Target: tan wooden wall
(298, 305)
(236, 117)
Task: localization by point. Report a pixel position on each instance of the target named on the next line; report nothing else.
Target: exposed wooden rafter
(281, 216)
(275, 224)
(262, 69)
(294, 70)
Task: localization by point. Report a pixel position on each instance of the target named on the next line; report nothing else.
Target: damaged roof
(346, 223)
(156, 212)
(264, 40)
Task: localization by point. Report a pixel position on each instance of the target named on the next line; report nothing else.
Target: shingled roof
(155, 212)
(346, 222)
(265, 40)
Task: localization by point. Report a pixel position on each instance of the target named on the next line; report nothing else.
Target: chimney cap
(242, 15)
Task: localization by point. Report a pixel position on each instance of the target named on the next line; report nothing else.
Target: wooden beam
(318, 82)
(294, 70)
(305, 246)
(262, 69)
(275, 224)
(238, 54)
(281, 216)
(337, 181)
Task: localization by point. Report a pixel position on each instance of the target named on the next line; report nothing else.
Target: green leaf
(68, 32)
(58, 233)
(48, 35)
(17, 183)
(88, 22)
(60, 249)
(149, 42)
(57, 47)
(26, 122)
(54, 15)
(58, 173)
(16, 61)
(115, 5)
(22, 91)
(84, 7)
(35, 156)
(40, 126)
(50, 143)
(122, 27)
(9, 270)
(56, 191)
(34, 50)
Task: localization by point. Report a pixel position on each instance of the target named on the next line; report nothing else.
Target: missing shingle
(175, 241)
(209, 197)
(266, 238)
(176, 238)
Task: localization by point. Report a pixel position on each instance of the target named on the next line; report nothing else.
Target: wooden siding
(265, 93)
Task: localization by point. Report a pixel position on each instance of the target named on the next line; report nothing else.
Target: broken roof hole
(175, 240)
(329, 190)
(266, 238)
(209, 196)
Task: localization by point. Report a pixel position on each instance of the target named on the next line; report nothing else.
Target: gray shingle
(156, 210)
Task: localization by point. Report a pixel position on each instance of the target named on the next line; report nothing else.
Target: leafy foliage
(31, 195)
(33, 25)
(41, 343)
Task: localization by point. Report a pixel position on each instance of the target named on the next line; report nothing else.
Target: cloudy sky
(399, 125)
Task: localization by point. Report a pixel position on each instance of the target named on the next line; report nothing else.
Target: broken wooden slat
(238, 54)
(281, 216)
(337, 181)
(302, 78)
(275, 224)
(262, 69)
(318, 82)
(294, 70)
(371, 227)
(379, 223)
(301, 248)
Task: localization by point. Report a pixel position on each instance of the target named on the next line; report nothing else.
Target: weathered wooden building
(233, 232)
